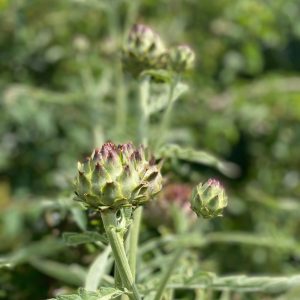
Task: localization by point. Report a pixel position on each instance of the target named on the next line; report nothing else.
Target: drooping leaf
(198, 156)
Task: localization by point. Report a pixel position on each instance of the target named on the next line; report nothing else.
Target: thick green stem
(117, 245)
(168, 272)
(118, 279)
(118, 282)
(134, 239)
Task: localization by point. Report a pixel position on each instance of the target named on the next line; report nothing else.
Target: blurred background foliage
(62, 92)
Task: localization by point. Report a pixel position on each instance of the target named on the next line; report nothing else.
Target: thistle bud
(209, 199)
(143, 50)
(115, 176)
(181, 58)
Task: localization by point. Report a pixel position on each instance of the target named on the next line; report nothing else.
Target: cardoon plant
(116, 181)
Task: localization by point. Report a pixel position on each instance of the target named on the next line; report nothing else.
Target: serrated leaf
(198, 156)
(75, 239)
(97, 270)
(88, 295)
(105, 293)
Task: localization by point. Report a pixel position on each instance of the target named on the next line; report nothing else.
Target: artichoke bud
(117, 176)
(181, 59)
(209, 199)
(143, 50)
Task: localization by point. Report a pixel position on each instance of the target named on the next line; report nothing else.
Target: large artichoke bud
(115, 176)
(209, 199)
(143, 50)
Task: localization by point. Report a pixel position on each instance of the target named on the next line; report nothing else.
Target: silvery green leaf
(105, 293)
(75, 239)
(198, 156)
(79, 217)
(97, 270)
(241, 283)
(70, 274)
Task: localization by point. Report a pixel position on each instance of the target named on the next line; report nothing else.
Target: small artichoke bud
(181, 58)
(143, 50)
(209, 199)
(115, 176)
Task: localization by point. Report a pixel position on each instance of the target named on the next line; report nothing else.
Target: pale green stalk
(134, 239)
(116, 242)
(200, 294)
(167, 274)
(165, 121)
(144, 86)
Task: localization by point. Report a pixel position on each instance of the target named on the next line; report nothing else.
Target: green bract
(181, 58)
(143, 50)
(115, 176)
(209, 199)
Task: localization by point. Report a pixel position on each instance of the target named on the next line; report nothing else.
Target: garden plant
(186, 133)
(117, 180)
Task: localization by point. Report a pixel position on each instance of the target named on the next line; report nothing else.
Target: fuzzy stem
(166, 276)
(167, 113)
(116, 242)
(118, 279)
(134, 239)
(144, 86)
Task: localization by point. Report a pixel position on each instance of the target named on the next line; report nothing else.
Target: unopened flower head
(115, 176)
(173, 195)
(209, 199)
(143, 50)
(181, 58)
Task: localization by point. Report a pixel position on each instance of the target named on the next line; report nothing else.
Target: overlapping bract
(115, 176)
(209, 199)
(143, 50)
(181, 58)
